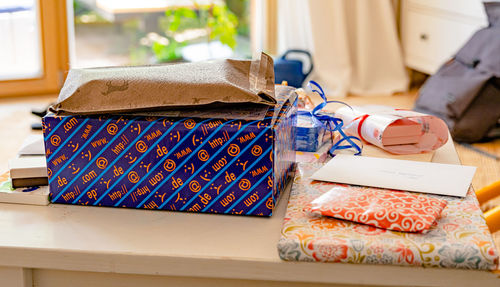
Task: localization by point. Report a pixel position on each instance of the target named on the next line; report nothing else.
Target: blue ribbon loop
(330, 123)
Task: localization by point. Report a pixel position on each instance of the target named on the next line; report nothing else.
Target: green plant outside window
(212, 22)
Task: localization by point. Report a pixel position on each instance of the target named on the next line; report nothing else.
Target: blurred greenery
(241, 8)
(83, 15)
(78, 8)
(181, 19)
(218, 21)
(167, 53)
(151, 37)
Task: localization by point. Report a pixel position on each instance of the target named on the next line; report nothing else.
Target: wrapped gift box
(310, 134)
(397, 131)
(213, 165)
(459, 238)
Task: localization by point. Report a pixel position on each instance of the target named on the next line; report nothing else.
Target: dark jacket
(465, 91)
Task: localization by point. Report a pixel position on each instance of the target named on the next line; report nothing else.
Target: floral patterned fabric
(384, 208)
(458, 239)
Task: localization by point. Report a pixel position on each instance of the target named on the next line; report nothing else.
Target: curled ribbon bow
(330, 123)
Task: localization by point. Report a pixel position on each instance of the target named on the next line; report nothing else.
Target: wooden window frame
(54, 53)
(264, 35)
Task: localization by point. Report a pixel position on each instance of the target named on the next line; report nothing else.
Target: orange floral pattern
(323, 249)
(459, 238)
(384, 208)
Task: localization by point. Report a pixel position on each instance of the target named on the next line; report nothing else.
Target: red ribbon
(360, 124)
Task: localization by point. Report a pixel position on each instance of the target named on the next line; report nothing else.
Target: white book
(28, 167)
(36, 195)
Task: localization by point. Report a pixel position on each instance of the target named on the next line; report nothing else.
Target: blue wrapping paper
(310, 134)
(230, 166)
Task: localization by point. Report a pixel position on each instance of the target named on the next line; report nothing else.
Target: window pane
(130, 32)
(20, 51)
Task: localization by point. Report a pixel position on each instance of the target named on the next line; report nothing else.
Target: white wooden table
(62, 245)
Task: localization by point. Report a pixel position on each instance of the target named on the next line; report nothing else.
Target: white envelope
(425, 177)
(33, 145)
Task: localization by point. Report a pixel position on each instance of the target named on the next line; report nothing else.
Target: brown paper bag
(162, 87)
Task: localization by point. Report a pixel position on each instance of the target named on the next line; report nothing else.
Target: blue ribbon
(330, 123)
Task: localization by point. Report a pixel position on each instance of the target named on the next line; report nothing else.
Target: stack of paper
(26, 183)
(402, 131)
(35, 195)
(29, 168)
(26, 171)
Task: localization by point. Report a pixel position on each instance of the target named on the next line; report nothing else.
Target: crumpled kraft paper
(163, 87)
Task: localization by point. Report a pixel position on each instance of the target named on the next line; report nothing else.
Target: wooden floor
(488, 169)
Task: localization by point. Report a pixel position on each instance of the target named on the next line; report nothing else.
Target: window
(130, 32)
(43, 37)
(33, 54)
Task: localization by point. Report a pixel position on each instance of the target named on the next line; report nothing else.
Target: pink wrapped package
(394, 130)
(383, 208)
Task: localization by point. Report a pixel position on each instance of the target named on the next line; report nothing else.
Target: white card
(33, 145)
(425, 177)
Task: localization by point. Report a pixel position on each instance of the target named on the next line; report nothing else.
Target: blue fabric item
(291, 70)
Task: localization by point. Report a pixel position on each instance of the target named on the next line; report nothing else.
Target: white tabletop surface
(131, 241)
